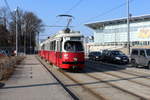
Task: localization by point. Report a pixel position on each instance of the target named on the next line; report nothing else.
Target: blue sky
(85, 12)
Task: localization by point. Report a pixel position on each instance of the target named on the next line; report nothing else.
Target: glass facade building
(115, 32)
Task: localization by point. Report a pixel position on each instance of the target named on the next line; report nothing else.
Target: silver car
(140, 57)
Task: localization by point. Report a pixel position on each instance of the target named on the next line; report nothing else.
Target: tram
(64, 49)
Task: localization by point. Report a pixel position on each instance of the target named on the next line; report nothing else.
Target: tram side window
(50, 45)
(61, 45)
(53, 45)
(47, 47)
(58, 45)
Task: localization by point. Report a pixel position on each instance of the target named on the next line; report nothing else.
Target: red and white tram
(64, 50)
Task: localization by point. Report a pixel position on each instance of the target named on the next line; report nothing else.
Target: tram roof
(98, 24)
(63, 34)
(60, 34)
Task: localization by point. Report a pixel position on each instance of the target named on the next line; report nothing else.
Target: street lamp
(38, 41)
(16, 31)
(25, 38)
(128, 25)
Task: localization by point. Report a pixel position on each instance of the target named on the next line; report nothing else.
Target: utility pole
(17, 31)
(38, 41)
(30, 43)
(128, 25)
(25, 39)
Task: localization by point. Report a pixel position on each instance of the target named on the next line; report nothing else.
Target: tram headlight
(65, 56)
(75, 59)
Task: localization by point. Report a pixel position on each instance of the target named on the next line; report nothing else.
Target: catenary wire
(71, 9)
(108, 11)
(74, 6)
(8, 7)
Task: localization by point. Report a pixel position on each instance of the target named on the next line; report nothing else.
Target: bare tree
(28, 27)
(4, 40)
(12, 27)
(4, 33)
(4, 15)
(32, 26)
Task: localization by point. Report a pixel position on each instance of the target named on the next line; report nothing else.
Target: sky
(84, 11)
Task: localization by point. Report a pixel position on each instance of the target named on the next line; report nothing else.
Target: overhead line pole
(128, 26)
(17, 31)
(25, 38)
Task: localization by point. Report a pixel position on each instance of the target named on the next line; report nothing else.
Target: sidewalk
(31, 81)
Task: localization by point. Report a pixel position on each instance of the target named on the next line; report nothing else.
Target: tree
(4, 33)
(28, 27)
(32, 26)
(4, 38)
(12, 27)
(4, 15)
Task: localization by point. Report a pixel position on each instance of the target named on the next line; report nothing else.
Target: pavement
(31, 81)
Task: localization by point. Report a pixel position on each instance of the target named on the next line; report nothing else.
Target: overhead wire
(8, 7)
(70, 9)
(108, 11)
(74, 6)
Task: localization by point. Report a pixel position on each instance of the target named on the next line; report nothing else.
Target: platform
(31, 81)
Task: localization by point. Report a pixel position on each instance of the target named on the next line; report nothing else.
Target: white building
(114, 32)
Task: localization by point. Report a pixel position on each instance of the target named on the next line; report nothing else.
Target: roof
(98, 24)
(140, 48)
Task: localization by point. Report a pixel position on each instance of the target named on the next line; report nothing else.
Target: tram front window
(73, 46)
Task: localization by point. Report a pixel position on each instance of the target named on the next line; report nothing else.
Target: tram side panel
(72, 60)
(51, 57)
(46, 54)
(65, 60)
(58, 59)
(42, 53)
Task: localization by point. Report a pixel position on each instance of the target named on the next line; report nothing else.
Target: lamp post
(30, 43)
(25, 39)
(16, 31)
(128, 26)
(38, 41)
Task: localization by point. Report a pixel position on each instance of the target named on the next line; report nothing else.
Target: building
(114, 32)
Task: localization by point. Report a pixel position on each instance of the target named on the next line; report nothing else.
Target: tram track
(134, 72)
(85, 87)
(130, 72)
(60, 82)
(115, 86)
(96, 95)
(101, 80)
(121, 77)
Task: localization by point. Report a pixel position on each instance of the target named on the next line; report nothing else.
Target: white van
(140, 56)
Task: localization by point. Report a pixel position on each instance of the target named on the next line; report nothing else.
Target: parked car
(140, 56)
(104, 55)
(95, 55)
(116, 56)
